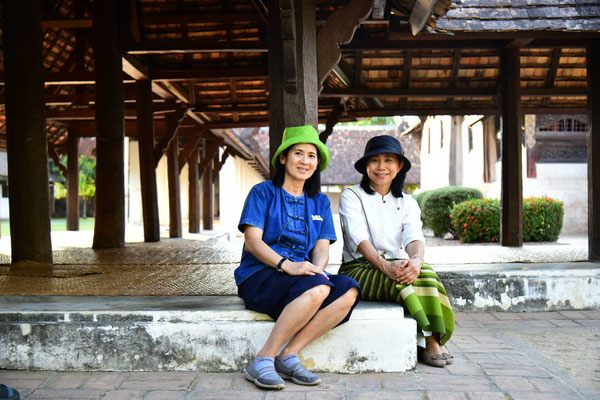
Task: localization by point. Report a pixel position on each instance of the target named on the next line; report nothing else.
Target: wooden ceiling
(208, 62)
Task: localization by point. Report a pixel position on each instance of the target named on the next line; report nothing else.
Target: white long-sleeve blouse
(393, 222)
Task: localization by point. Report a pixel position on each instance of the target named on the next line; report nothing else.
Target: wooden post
(109, 229)
(207, 191)
(26, 131)
(194, 192)
(145, 123)
(293, 89)
(512, 182)
(175, 229)
(593, 149)
(73, 180)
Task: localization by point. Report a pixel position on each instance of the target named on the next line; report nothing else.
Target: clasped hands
(403, 271)
(302, 268)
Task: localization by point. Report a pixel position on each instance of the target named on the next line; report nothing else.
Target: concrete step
(185, 333)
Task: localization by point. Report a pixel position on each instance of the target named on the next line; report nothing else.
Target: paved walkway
(551, 355)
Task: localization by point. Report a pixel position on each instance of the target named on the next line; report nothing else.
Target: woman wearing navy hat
(288, 226)
(384, 245)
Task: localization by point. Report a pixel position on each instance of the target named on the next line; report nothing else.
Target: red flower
(465, 225)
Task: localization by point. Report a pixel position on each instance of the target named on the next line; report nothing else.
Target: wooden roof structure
(194, 69)
(208, 59)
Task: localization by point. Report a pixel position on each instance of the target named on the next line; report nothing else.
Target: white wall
(134, 205)
(237, 178)
(435, 152)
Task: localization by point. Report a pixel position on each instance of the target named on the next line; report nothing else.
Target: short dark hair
(396, 188)
(312, 185)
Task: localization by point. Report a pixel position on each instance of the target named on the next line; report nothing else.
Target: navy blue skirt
(268, 291)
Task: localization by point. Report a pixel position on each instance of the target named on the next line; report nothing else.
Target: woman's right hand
(301, 268)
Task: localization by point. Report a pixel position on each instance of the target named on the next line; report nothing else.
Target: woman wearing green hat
(288, 226)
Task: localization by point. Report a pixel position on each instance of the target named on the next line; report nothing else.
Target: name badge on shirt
(316, 218)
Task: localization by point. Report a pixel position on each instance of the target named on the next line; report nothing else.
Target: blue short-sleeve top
(291, 225)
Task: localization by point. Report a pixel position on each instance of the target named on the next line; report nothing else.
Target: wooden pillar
(109, 229)
(73, 180)
(512, 182)
(145, 124)
(26, 131)
(194, 192)
(593, 149)
(208, 193)
(175, 229)
(293, 89)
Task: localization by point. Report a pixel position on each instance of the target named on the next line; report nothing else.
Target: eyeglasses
(294, 235)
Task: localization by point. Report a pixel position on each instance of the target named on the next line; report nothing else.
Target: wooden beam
(250, 72)
(72, 180)
(109, 228)
(512, 182)
(207, 184)
(552, 71)
(171, 130)
(25, 132)
(192, 143)
(593, 149)
(149, 190)
(449, 92)
(68, 23)
(134, 68)
(208, 154)
(175, 223)
(177, 46)
(193, 191)
(219, 164)
(70, 78)
(339, 29)
(203, 18)
(417, 93)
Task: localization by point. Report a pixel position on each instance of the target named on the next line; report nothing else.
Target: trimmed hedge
(542, 219)
(437, 205)
(479, 220)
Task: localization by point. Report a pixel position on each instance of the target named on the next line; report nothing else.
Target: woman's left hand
(409, 270)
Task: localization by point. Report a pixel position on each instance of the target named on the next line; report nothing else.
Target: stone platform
(185, 333)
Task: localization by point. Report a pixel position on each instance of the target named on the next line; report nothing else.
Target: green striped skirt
(425, 299)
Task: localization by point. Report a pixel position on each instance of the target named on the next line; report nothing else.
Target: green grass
(56, 224)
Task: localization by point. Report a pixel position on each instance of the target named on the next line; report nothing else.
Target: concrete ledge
(523, 287)
(185, 333)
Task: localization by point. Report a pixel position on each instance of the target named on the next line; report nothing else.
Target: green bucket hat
(303, 134)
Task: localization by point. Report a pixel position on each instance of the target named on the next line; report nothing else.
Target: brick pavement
(498, 356)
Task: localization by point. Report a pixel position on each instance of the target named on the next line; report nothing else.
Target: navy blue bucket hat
(379, 145)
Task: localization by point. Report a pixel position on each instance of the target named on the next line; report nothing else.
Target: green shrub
(438, 203)
(419, 198)
(542, 219)
(477, 220)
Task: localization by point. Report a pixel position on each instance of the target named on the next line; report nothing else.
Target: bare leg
(293, 318)
(432, 345)
(323, 321)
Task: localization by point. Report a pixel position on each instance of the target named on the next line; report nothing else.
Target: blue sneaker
(8, 393)
(297, 373)
(265, 378)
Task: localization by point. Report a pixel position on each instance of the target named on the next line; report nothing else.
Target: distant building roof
(521, 15)
(347, 143)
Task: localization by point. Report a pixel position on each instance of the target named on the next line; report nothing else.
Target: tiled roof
(521, 15)
(346, 145)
